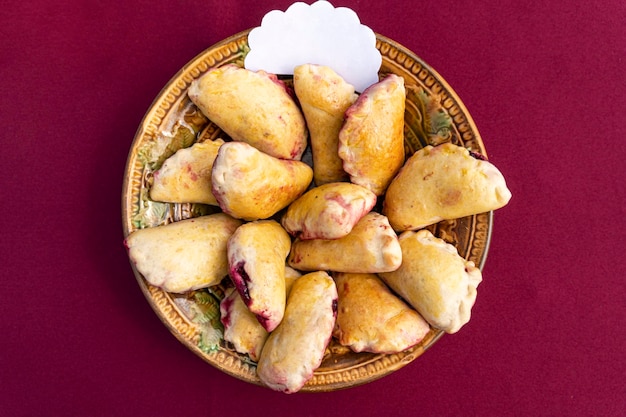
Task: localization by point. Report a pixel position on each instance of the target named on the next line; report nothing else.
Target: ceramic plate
(434, 114)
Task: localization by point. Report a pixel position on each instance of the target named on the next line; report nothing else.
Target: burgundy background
(545, 84)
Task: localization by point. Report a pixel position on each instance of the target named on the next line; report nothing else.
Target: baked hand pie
(442, 183)
(371, 246)
(370, 318)
(253, 107)
(241, 327)
(324, 97)
(371, 141)
(329, 211)
(185, 177)
(296, 348)
(256, 260)
(249, 184)
(185, 255)
(435, 280)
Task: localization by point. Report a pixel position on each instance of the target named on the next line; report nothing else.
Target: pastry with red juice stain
(241, 327)
(296, 348)
(329, 211)
(372, 246)
(256, 260)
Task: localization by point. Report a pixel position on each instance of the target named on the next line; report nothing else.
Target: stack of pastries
(303, 251)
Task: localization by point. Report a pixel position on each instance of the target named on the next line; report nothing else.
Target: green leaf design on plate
(198, 209)
(205, 311)
(150, 213)
(189, 122)
(243, 50)
(437, 123)
(183, 138)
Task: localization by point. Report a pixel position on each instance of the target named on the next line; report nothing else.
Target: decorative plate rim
(182, 327)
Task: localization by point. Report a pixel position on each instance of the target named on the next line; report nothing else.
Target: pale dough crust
(241, 328)
(185, 177)
(296, 348)
(440, 183)
(253, 107)
(435, 280)
(251, 185)
(185, 255)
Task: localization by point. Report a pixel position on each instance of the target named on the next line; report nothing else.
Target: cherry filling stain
(295, 151)
(227, 305)
(477, 155)
(192, 174)
(263, 320)
(343, 215)
(296, 257)
(339, 199)
(241, 280)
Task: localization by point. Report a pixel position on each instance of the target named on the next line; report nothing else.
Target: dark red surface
(546, 85)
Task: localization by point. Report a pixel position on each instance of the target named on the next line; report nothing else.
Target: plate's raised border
(396, 58)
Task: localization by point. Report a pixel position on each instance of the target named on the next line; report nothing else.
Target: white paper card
(315, 34)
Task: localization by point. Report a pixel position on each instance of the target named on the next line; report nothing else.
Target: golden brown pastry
(256, 260)
(291, 275)
(371, 246)
(371, 141)
(241, 327)
(250, 185)
(370, 318)
(435, 280)
(185, 255)
(253, 107)
(329, 211)
(324, 97)
(296, 348)
(440, 183)
(185, 177)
